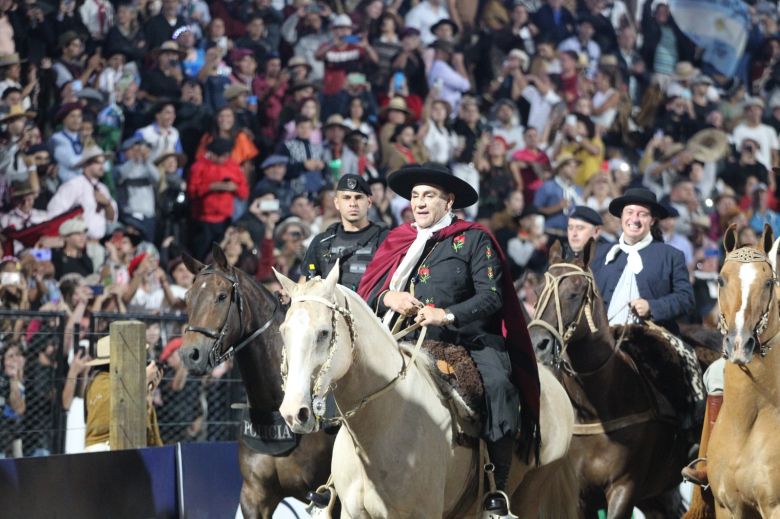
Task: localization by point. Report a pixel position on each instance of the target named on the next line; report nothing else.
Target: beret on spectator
(220, 146)
(134, 263)
(354, 183)
(586, 214)
(66, 109)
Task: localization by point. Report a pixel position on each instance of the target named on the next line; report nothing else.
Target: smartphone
(398, 80)
(269, 206)
(252, 100)
(354, 39)
(41, 254)
(97, 290)
(10, 278)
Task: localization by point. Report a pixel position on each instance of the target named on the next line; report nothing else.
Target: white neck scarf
(634, 262)
(626, 289)
(404, 271)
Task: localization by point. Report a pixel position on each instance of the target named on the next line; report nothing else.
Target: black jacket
(651, 32)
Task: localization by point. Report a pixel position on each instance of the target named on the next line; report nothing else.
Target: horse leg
(668, 504)
(256, 503)
(620, 501)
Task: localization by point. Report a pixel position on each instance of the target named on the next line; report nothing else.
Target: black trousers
(203, 234)
(501, 412)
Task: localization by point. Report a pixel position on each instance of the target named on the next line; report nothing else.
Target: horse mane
(355, 301)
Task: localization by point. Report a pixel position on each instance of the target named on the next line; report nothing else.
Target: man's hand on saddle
(402, 303)
(431, 316)
(640, 307)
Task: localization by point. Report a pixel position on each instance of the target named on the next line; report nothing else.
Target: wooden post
(128, 385)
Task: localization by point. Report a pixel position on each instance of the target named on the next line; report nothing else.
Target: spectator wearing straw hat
(98, 400)
(11, 73)
(17, 133)
(89, 192)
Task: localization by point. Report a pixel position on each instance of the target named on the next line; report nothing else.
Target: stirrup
(693, 481)
(495, 505)
(321, 502)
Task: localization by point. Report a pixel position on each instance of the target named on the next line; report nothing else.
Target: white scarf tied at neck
(634, 261)
(404, 271)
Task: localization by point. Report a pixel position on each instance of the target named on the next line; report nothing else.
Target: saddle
(457, 378)
(669, 366)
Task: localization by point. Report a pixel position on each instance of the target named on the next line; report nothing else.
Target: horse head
(214, 312)
(747, 296)
(564, 310)
(318, 336)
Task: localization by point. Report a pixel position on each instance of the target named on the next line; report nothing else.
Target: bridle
(318, 401)
(550, 293)
(751, 255)
(319, 396)
(215, 358)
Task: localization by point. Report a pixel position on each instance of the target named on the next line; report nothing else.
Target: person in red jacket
(214, 184)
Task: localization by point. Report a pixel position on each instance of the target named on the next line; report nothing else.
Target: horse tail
(702, 505)
(551, 491)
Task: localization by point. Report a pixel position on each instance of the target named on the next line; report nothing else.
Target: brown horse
(624, 452)
(744, 446)
(231, 314)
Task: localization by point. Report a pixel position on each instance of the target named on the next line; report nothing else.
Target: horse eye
(222, 296)
(322, 335)
(768, 283)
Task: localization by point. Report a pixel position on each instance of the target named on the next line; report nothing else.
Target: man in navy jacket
(641, 277)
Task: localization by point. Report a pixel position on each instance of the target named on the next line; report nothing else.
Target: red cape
(29, 236)
(518, 342)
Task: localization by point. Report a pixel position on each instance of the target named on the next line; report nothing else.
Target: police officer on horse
(352, 241)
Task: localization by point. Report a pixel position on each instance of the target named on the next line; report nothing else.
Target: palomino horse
(623, 452)
(744, 445)
(229, 313)
(396, 455)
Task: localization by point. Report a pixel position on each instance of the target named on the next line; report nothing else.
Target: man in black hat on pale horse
(352, 241)
(451, 275)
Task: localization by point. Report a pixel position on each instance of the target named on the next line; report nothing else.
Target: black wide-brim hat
(403, 181)
(638, 196)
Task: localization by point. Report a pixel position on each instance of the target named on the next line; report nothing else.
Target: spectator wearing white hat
(72, 257)
(89, 192)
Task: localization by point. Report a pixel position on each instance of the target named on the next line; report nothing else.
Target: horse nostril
(749, 344)
(194, 354)
(303, 415)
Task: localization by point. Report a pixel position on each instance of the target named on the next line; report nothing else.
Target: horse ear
(288, 284)
(219, 256)
(589, 252)
(556, 253)
(730, 238)
(767, 237)
(773, 255)
(333, 277)
(192, 264)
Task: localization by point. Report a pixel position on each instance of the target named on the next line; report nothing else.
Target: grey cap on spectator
(132, 141)
(274, 160)
(92, 95)
(342, 20)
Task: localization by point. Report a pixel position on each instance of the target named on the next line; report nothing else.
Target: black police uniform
(353, 250)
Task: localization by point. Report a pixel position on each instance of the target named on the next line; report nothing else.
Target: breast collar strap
(215, 357)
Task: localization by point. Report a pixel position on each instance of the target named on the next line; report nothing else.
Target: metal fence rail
(189, 408)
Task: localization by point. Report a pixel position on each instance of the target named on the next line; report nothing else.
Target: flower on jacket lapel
(489, 252)
(424, 273)
(458, 242)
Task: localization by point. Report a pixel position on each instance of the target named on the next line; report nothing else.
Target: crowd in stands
(135, 131)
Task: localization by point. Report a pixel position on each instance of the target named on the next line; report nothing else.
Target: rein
(550, 293)
(215, 358)
(750, 255)
(318, 401)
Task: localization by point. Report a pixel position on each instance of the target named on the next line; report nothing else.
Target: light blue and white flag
(720, 27)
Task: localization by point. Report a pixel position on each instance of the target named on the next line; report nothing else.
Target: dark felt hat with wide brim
(638, 196)
(404, 180)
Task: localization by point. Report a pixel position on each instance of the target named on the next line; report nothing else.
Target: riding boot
(696, 471)
(501, 453)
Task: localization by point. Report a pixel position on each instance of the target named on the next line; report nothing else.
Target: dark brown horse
(623, 451)
(231, 314)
